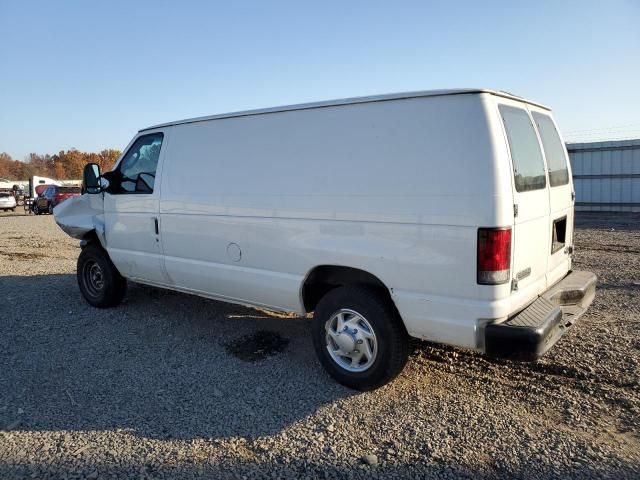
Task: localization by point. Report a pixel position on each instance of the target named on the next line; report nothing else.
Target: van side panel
(396, 188)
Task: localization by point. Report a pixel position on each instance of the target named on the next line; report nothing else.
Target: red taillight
(494, 255)
(59, 196)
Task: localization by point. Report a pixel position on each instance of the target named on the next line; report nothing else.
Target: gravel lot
(160, 387)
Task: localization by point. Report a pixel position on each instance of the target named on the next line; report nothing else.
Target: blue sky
(89, 74)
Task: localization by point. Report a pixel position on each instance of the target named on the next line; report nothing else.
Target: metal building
(606, 175)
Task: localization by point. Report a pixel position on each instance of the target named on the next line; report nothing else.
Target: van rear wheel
(359, 337)
(100, 283)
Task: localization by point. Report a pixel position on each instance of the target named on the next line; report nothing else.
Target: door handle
(156, 226)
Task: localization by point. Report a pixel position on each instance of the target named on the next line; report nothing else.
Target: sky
(89, 74)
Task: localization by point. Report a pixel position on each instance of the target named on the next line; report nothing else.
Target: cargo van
(443, 215)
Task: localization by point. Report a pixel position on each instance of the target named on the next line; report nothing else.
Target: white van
(443, 215)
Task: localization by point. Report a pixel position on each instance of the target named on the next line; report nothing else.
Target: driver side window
(138, 167)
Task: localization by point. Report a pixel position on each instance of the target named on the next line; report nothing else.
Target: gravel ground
(173, 386)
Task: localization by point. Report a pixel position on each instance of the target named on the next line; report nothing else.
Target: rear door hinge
(515, 210)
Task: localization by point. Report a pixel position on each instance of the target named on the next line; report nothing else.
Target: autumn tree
(108, 158)
(66, 164)
(12, 169)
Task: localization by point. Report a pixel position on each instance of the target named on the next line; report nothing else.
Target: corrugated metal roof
(608, 145)
(347, 101)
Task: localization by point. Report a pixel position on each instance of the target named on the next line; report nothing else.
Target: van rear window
(528, 165)
(553, 150)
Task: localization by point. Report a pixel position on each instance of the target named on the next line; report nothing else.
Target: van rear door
(561, 196)
(531, 229)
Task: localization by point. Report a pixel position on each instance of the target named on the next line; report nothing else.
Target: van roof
(348, 101)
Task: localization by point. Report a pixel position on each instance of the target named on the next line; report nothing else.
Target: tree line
(66, 164)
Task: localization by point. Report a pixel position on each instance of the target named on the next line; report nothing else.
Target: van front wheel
(100, 282)
(359, 337)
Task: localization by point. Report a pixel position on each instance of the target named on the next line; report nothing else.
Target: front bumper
(531, 333)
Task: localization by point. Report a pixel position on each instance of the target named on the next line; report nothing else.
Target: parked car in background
(7, 201)
(36, 183)
(52, 196)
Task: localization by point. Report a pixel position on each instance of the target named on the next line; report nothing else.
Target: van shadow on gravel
(162, 365)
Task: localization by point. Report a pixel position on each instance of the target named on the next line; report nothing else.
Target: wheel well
(325, 278)
(90, 237)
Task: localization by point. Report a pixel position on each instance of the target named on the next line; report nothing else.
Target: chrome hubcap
(351, 341)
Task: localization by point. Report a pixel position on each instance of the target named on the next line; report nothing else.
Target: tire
(36, 210)
(389, 343)
(100, 283)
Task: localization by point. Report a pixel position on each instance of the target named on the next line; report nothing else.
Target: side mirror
(91, 178)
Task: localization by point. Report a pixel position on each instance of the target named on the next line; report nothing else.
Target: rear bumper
(532, 332)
